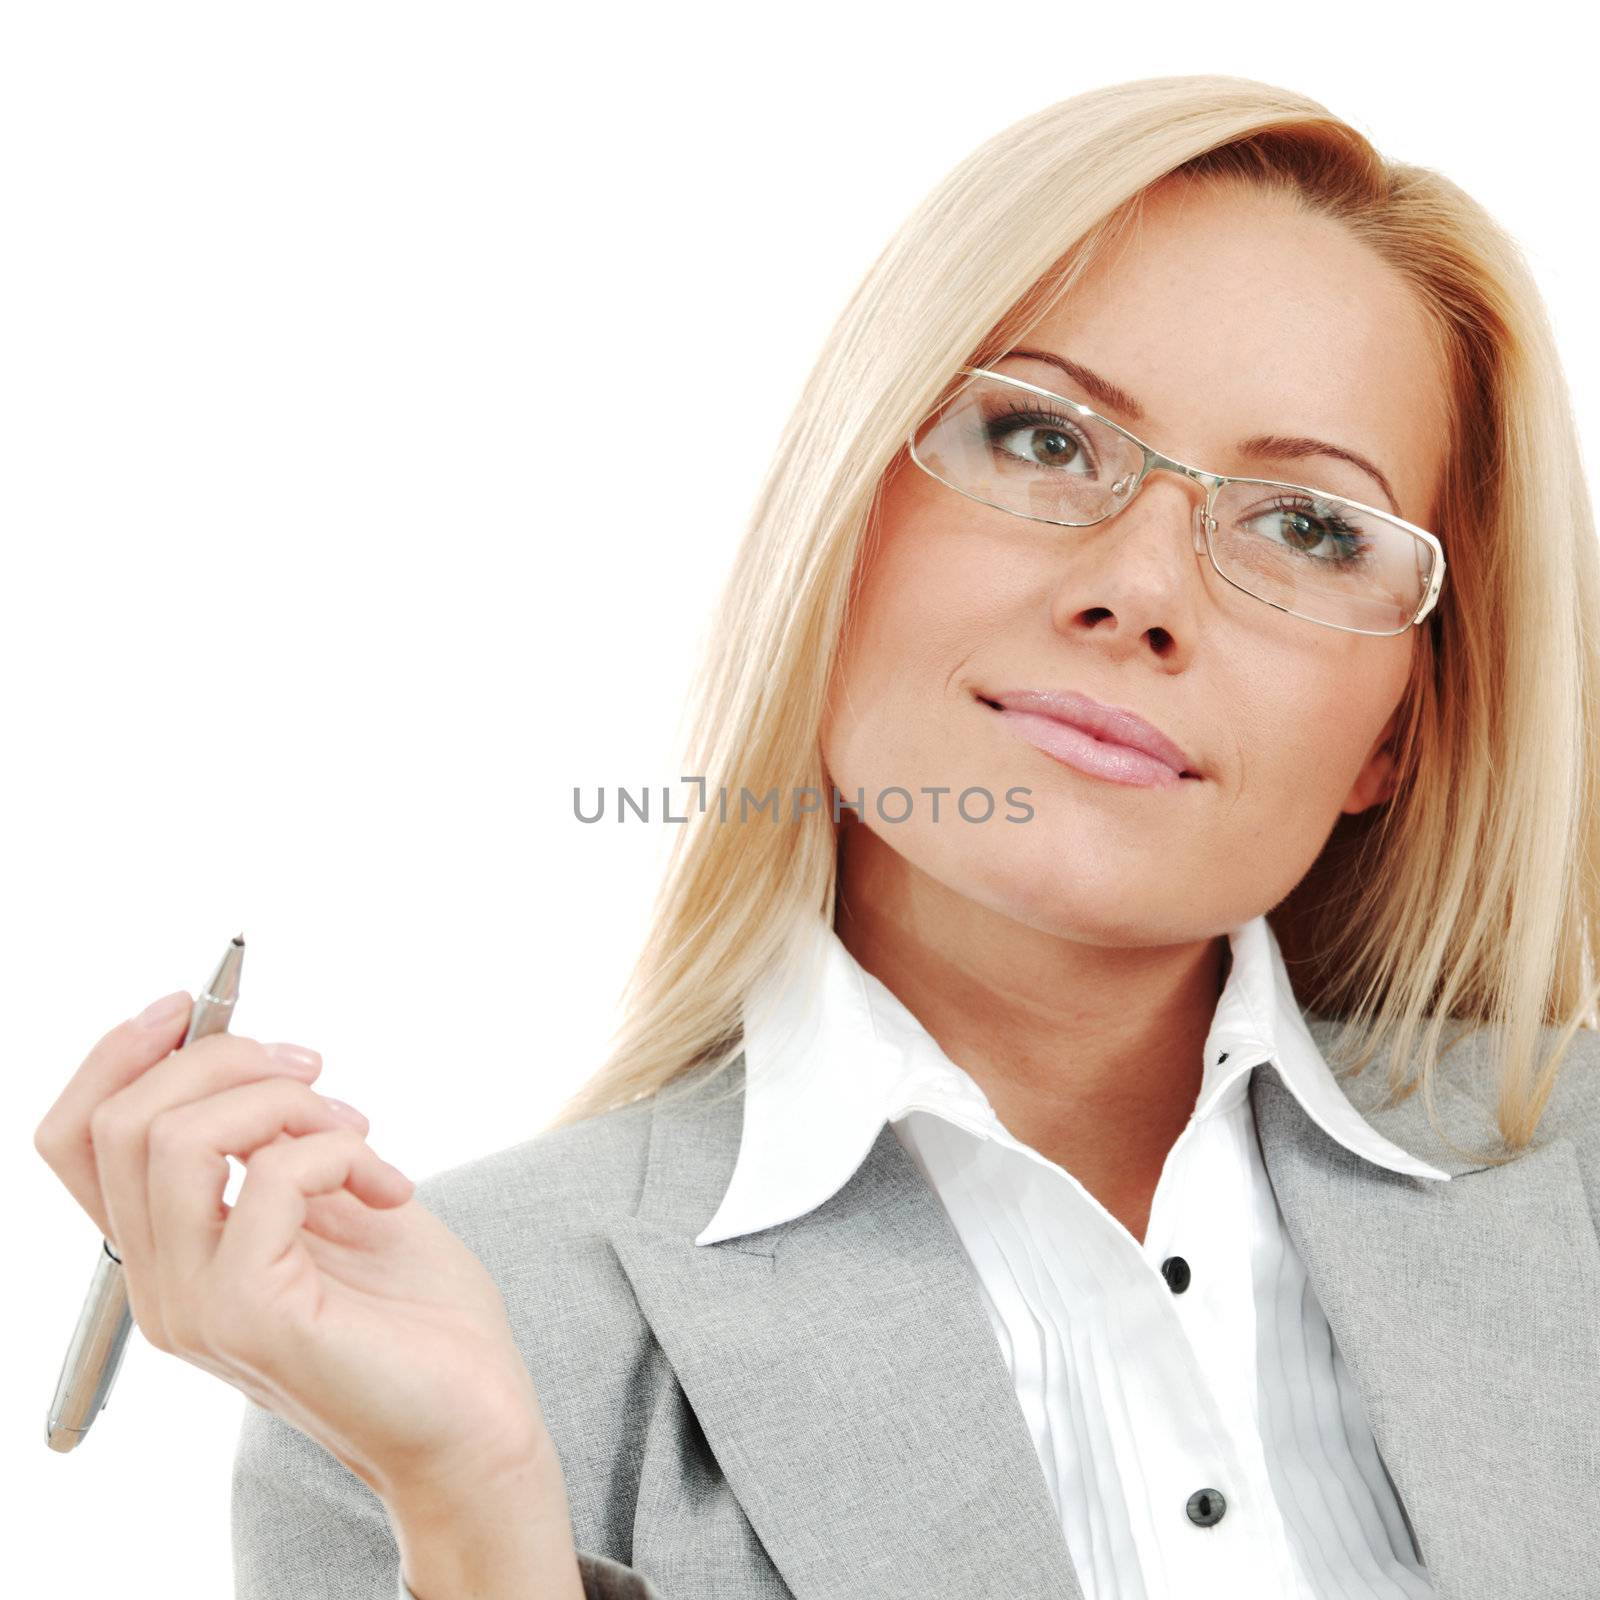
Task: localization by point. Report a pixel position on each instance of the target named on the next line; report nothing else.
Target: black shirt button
(1176, 1271)
(1206, 1506)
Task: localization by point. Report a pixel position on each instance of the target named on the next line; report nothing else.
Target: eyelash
(1024, 417)
(1332, 523)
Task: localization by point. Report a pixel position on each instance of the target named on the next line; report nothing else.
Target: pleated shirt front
(1200, 1443)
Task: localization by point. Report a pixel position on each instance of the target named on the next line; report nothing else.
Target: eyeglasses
(1022, 449)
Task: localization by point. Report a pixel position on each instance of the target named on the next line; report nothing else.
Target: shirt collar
(831, 1054)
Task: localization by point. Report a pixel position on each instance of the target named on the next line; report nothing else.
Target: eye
(1319, 531)
(1041, 439)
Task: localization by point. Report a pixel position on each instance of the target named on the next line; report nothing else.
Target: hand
(324, 1293)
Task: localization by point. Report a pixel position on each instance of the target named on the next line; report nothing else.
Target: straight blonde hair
(1470, 897)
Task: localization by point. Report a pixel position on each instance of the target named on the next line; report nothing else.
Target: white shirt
(1136, 1396)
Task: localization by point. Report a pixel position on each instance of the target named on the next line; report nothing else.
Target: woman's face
(1224, 314)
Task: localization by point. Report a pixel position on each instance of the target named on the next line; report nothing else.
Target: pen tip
(238, 939)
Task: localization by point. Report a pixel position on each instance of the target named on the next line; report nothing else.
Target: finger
(120, 1056)
(189, 1146)
(281, 1181)
(119, 1132)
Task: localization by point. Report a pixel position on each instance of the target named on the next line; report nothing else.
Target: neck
(1090, 1054)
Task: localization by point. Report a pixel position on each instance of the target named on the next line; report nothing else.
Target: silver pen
(105, 1322)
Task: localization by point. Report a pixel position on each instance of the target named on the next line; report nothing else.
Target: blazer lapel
(846, 1376)
(1469, 1314)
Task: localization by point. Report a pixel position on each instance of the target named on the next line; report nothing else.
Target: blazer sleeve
(307, 1528)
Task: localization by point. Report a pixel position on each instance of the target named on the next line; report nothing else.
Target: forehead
(1227, 311)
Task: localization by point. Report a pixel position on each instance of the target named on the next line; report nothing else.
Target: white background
(329, 333)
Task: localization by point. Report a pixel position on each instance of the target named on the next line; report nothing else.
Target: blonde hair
(1471, 895)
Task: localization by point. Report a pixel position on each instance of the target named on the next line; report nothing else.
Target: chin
(1084, 896)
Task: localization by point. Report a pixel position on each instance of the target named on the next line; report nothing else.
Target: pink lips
(1099, 739)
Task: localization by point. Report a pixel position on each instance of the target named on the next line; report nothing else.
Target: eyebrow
(1260, 446)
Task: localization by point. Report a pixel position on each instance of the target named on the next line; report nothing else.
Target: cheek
(1297, 726)
(926, 606)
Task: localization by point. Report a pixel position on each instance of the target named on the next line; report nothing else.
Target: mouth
(1084, 733)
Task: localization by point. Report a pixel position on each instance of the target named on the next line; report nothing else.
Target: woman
(1169, 787)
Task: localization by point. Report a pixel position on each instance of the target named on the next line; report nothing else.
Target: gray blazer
(820, 1411)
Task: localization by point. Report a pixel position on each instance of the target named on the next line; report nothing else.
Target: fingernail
(296, 1057)
(163, 1010)
(340, 1109)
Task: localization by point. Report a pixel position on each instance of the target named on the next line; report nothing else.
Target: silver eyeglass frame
(1127, 488)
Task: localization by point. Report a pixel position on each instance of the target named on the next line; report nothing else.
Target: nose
(1195, 484)
(1172, 484)
(1132, 583)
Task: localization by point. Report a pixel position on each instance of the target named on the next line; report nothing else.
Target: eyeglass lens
(1315, 555)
